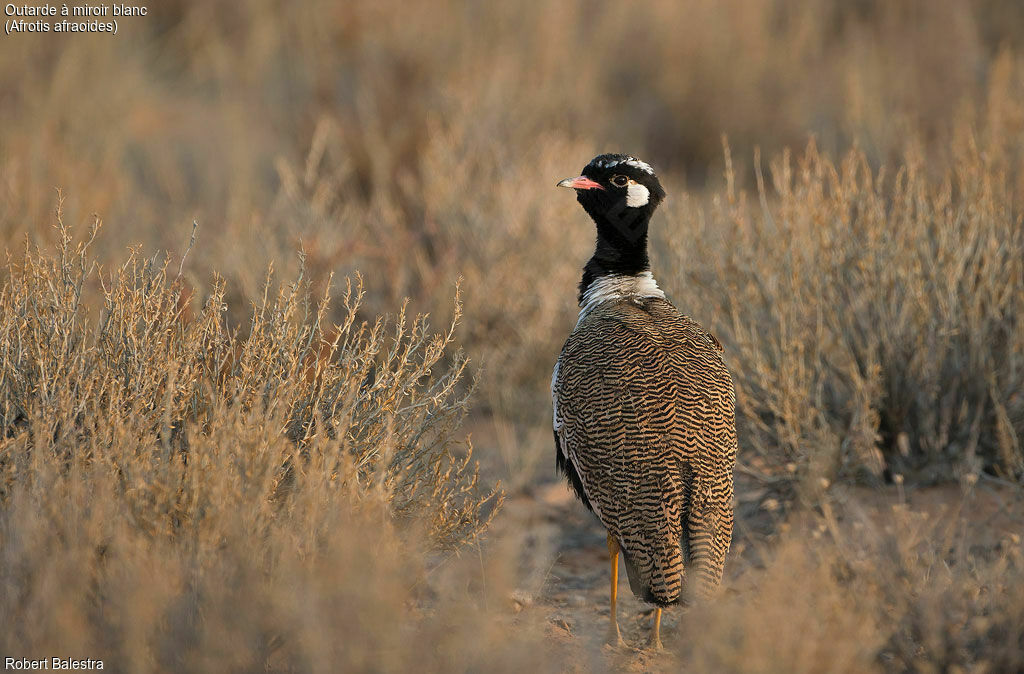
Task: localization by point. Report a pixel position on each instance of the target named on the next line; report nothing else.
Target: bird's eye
(620, 180)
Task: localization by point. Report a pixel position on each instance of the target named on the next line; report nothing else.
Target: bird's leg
(614, 636)
(655, 642)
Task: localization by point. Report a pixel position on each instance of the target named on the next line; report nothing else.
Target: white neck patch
(637, 195)
(619, 287)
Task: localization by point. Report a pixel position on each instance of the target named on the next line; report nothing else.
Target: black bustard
(644, 408)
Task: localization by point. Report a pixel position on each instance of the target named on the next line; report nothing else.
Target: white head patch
(628, 161)
(642, 165)
(637, 195)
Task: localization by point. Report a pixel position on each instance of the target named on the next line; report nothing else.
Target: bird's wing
(644, 414)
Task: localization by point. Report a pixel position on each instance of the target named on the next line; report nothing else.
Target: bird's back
(645, 429)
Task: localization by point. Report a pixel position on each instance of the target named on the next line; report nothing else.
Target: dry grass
(887, 587)
(370, 405)
(206, 469)
(358, 131)
(164, 476)
(874, 318)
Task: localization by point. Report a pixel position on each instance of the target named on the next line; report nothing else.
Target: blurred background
(844, 213)
(419, 142)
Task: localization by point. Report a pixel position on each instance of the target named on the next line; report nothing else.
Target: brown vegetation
(876, 320)
(207, 469)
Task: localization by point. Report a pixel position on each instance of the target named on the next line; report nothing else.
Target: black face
(618, 191)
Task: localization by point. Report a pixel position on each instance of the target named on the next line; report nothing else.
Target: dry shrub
(375, 402)
(211, 95)
(180, 497)
(888, 588)
(418, 143)
(872, 318)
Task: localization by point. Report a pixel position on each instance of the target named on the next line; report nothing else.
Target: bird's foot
(614, 637)
(654, 644)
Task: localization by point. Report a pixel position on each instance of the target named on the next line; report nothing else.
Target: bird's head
(617, 189)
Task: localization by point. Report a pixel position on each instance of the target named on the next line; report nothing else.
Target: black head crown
(618, 190)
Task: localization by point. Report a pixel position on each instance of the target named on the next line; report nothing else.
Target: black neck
(621, 250)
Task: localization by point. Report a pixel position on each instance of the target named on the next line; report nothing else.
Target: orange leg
(655, 642)
(614, 636)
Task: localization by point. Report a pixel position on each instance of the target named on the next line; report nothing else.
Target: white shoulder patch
(618, 287)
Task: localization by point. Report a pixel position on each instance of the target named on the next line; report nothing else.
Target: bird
(643, 406)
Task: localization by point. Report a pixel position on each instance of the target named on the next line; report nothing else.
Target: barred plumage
(645, 428)
(644, 407)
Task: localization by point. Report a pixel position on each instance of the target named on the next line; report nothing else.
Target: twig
(765, 479)
(191, 242)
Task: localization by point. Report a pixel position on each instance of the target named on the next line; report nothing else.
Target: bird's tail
(710, 535)
(685, 569)
(657, 578)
